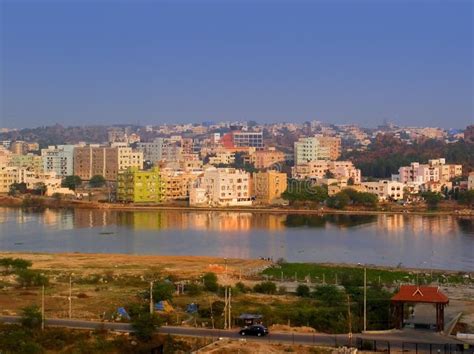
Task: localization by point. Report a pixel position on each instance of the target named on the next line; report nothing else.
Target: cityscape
(236, 177)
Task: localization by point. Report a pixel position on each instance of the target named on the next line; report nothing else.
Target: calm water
(413, 241)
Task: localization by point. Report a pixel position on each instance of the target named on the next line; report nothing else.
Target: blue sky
(151, 62)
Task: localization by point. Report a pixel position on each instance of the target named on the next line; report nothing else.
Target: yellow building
(268, 186)
(266, 158)
(136, 186)
(176, 184)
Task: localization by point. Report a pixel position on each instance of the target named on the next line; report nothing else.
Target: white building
(222, 187)
(385, 190)
(317, 148)
(435, 171)
(59, 159)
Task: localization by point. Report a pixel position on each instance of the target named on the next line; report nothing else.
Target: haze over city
(78, 63)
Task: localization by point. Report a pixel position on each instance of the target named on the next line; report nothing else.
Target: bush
(241, 287)
(28, 277)
(193, 289)
(71, 182)
(210, 282)
(266, 287)
(14, 264)
(163, 290)
(31, 317)
(97, 181)
(329, 295)
(303, 290)
(145, 325)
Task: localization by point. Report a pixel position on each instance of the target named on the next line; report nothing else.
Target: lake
(440, 242)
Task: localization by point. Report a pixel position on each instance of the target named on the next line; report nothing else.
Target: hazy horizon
(362, 62)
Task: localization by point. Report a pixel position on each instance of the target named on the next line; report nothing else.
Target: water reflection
(413, 240)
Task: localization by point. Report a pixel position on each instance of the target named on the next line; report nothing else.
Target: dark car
(254, 330)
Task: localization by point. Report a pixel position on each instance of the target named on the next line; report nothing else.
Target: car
(254, 330)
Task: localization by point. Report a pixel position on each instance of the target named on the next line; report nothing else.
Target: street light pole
(365, 299)
(151, 297)
(42, 308)
(70, 296)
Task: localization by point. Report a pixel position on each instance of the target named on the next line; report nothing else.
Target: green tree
(71, 182)
(28, 278)
(17, 188)
(145, 325)
(193, 289)
(329, 295)
(97, 181)
(303, 290)
(31, 317)
(163, 290)
(338, 201)
(432, 199)
(266, 287)
(466, 197)
(14, 264)
(210, 282)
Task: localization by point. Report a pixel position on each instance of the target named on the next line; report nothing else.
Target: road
(398, 339)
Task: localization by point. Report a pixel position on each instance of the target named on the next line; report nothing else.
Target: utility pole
(350, 319)
(225, 308)
(42, 308)
(365, 299)
(229, 324)
(151, 297)
(70, 296)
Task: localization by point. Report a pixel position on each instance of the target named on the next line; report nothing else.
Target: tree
(145, 325)
(29, 277)
(97, 181)
(466, 197)
(338, 201)
(31, 317)
(432, 199)
(303, 290)
(210, 282)
(163, 290)
(329, 295)
(16, 188)
(40, 188)
(71, 182)
(350, 181)
(266, 287)
(329, 174)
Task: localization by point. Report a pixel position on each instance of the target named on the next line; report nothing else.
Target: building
(222, 187)
(152, 151)
(127, 157)
(177, 184)
(269, 186)
(435, 171)
(135, 186)
(385, 190)
(94, 160)
(266, 158)
(222, 158)
(317, 148)
(319, 169)
(469, 134)
(31, 162)
(237, 139)
(8, 176)
(20, 147)
(470, 181)
(59, 159)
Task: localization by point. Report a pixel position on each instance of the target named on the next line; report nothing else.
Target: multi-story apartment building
(266, 158)
(222, 187)
(20, 147)
(8, 176)
(319, 169)
(135, 186)
(59, 159)
(237, 139)
(31, 162)
(385, 190)
(435, 171)
(269, 186)
(152, 151)
(317, 148)
(94, 160)
(177, 184)
(222, 158)
(127, 157)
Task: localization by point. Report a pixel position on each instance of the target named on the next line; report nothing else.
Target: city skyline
(155, 63)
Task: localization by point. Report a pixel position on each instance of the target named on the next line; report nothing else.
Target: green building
(136, 186)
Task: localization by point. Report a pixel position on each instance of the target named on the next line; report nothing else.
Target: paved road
(405, 338)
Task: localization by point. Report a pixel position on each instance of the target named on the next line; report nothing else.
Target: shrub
(28, 277)
(329, 295)
(145, 325)
(163, 290)
(240, 287)
(14, 264)
(97, 181)
(303, 290)
(210, 282)
(193, 289)
(266, 287)
(31, 317)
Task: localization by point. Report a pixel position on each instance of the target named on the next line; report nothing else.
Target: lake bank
(7, 201)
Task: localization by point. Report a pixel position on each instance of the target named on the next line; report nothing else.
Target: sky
(152, 62)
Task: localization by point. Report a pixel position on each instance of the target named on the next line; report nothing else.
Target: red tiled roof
(414, 293)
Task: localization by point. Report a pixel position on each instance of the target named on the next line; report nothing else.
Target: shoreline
(6, 201)
(235, 263)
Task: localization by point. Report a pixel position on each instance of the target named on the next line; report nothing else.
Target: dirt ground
(254, 347)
